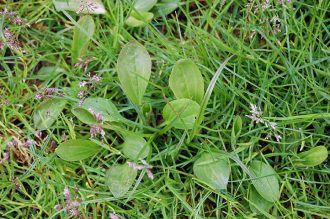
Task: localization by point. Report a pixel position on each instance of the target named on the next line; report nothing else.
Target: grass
(285, 73)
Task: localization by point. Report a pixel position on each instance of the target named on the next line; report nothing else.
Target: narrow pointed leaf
(75, 149)
(265, 181)
(47, 113)
(119, 179)
(206, 99)
(82, 35)
(134, 69)
(181, 113)
(213, 169)
(236, 130)
(237, 126)
(186, 81)
(135, 147)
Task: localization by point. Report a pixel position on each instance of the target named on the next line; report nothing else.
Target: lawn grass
(285, 73)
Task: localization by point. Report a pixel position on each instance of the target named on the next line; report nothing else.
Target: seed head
(96, 78)
(273, 125)
(256, 114)
(278, 137)
(95, 130)
(144, 166)
(28, 143)
(39, 96)
(10, 38)
(50, 91)
(5, 157)
(66, 193)
(81, 94)
(150, 174)
(82, 84)
(88, 6)
(113, 216)
(58, 207)
(135, 166)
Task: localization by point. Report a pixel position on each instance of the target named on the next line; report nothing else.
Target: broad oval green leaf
(165, 7)
(81, 6)
(84, 115)
(213, 169)
(257, 203)
(139, 19)
(47, 113)
(119, 179)
(135, 147)
(82, 35)
(77, 149)
(48, 73)
(265, 181)
(312, 157)
(144, 5)
(134, 69)
(103, 106)
(181, 113)
(186, 81)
